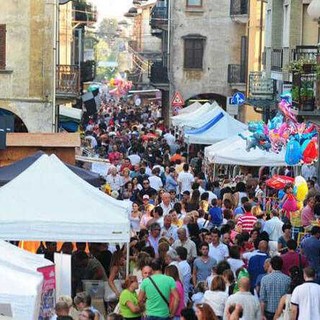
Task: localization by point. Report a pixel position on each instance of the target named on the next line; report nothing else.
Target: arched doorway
(208, 97)
(13, 121)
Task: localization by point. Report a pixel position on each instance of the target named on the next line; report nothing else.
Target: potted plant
(307, 95)
(302, 65)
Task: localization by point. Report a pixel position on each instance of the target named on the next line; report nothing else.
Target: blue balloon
(281, 194)
(293, 152)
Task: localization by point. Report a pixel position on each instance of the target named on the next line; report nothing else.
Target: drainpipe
(54, 78)
(260, 36)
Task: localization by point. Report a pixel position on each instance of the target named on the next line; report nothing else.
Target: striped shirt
(246, 222)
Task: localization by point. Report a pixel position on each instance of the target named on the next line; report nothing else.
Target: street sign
(232, 109)
(238, 98)
(177, 100)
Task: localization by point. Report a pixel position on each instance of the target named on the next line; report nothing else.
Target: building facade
(208, 47)
(27, 68)
(41, 55)
(291, 39)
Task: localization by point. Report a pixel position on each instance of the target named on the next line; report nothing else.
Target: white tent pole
(128, 257)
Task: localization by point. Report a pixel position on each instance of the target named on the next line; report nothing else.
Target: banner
(48, 295)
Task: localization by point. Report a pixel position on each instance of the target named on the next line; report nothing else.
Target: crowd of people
(203, 246)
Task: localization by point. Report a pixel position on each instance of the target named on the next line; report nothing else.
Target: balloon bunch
(284, 131)
(121, 87)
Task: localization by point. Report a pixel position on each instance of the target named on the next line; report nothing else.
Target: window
(193, 52)
(194, 3)
(2, 46)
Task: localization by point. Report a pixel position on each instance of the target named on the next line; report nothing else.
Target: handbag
(161, 294)
(109, 294)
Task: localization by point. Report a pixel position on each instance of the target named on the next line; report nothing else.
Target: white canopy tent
(220, 127)
(194, 119)
(21, 287)
(233, 151)
(193, 107)
(49, 202)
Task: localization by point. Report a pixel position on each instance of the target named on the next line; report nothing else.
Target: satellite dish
(64, 1)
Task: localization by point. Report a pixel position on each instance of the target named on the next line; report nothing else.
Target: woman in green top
(128, 300)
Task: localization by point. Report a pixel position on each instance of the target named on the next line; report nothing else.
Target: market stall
(220, 127)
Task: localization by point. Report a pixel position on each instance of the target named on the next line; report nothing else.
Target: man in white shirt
(166, 203)
(217, 249)
(169, 137)
(274, 229)
(185, 271)
(114, 179)
(305, 298)
(185, 179)
(308, 171)
(155, 180)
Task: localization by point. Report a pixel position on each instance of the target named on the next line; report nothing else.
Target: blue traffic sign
(238, 98)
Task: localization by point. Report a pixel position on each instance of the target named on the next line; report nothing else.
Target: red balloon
(310, 153)
(279, 182)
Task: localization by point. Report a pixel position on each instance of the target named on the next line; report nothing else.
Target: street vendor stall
(25, 286)
(233, 151)
(49, 202)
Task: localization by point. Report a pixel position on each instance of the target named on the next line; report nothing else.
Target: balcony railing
(238, 7)
(68, 80)
(236, 74)
(88, 70)
(305, 53)
(158, 73)
(159, 17)
(276, 59)
(304, 90)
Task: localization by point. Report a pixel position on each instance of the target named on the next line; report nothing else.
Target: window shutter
(188, 54)
(2, 46)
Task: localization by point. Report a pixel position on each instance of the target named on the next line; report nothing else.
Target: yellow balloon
(302, 188)
(299, 205)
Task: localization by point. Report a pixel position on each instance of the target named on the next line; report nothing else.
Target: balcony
(276, 60)
(304, 91)
(88, 70)
(239, 11)
(84, 13)
(159, 18)
(236, 74)
(67, 81)
(158, 73)
(304, 53)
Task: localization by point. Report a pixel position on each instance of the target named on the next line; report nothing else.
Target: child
(199, 292)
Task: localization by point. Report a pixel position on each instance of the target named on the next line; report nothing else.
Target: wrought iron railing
(305, 52)
(236, 73)
(276, 59)
(158, 73)
(84, 12)
(67, 79)
(88, 70)
(159, 17)
(238, 7)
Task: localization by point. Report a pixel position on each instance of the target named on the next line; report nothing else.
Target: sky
(112, 8)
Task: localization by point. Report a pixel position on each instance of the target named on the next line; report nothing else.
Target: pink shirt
(181, 297)
(307, 216)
